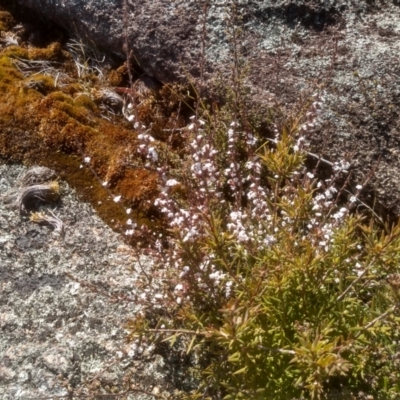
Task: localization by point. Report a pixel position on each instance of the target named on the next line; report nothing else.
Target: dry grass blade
(86, 59)
(43, 67)
(52, 220)
(37, 175)
(8, 39)
(28, 195)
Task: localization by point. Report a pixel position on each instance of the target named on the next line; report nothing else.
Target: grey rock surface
(291, 46)
(58, 333)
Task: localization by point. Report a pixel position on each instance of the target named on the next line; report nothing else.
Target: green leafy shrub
(275, 285)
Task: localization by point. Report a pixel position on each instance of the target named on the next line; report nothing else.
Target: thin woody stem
(339, 298)
(377, 319)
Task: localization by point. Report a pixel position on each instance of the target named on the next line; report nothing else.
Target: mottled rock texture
(290, 47)
(56, 333)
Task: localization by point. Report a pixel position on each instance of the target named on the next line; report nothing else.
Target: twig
(377, 319)
(282, 351)
(183, 331)
(368, 207)
(339, 298)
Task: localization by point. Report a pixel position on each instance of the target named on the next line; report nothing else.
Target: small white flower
(105, 183)
(310, 175)
(359, 187)
(128, 210)
(87, 160)
(152, 154)
(196, 168)
(117, 199)
(242, 236)
(190, 127)
(179, 287)
(131, 118)
(129, 232)
(353, 199)
(185, 270)
(129, 222)
(172, 182)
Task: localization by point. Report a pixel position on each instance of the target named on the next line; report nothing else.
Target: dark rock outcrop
(291, 46)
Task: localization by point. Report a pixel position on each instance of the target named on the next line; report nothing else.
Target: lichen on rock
(60, 326)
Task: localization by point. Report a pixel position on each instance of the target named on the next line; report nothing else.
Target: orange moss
(53, 52)
(88, 187)
(9, 75)
(72, 89)
(57, 127)
(166, 111)
(83, 100)
(40, 83)
(138, 187)
(117, 77)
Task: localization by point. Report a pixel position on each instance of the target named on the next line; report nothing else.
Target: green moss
(9, 75)
(53, 52)
(7, 21)
(15, 52)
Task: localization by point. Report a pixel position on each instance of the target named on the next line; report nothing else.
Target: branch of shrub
(377, 319)
(339, 298)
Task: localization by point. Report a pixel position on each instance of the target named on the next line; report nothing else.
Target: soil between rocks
(56, 335)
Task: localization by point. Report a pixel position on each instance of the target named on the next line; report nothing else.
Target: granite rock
(60, 325)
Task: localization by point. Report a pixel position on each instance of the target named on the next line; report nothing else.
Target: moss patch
(7, 21)
(57, 126)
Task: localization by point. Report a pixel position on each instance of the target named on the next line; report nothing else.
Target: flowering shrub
(275, 285)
